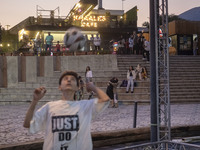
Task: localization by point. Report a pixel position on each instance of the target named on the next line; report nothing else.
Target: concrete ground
(12, 116)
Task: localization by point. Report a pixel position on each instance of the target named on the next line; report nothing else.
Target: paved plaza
(12, 117)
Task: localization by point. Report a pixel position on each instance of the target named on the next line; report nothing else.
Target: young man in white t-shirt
(66, 122)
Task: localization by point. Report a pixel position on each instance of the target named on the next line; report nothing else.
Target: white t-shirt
(66, 123)
(147, 45)
(130, 42)
(89, 74)
(97, 41)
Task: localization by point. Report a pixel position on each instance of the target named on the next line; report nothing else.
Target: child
(144, 73)
(58, 47)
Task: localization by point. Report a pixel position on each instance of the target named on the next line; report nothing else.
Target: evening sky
(13, 12)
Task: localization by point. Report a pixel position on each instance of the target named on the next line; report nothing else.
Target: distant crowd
(132, 44)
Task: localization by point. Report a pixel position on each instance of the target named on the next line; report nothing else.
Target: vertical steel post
(135, 115)
(153, 71)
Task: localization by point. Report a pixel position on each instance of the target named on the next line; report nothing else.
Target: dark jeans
(48, 46)
(97, 48)
(147, 55)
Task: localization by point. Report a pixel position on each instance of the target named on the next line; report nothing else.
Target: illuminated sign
(89, 21)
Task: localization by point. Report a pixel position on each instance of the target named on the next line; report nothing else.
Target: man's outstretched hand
(39, 93)
(90, 87)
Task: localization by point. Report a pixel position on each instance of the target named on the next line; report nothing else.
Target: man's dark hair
(72, 73)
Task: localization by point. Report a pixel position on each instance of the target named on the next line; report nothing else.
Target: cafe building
(182, 33)
(108, 24)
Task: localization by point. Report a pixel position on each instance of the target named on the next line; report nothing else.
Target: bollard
(135, 114)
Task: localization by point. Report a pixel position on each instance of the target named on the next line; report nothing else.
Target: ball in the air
(74, 39)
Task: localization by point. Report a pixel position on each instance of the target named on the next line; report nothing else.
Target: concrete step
(180, 93)
(186, 85)
(184, 90)
(176, 77)
(139, 83)
(183, 81)
(179, 97)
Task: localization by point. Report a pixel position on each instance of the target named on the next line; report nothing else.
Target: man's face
(68, 83)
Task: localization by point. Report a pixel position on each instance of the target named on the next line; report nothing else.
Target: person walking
(130, 77)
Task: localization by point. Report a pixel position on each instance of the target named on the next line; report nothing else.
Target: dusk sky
(15, 11)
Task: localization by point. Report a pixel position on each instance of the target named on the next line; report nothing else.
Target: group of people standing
(48, 41)
(111, 90)
(134, 44)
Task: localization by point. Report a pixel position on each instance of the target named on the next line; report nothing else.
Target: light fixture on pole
(123, 4)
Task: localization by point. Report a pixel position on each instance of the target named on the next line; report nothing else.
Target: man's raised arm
(37, 95)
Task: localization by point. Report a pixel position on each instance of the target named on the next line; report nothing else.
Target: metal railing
(163, 145)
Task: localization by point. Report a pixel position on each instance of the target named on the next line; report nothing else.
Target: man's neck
(68, 95)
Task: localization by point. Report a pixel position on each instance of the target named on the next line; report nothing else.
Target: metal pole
(135, 115)
(123, 4)
(153, 71)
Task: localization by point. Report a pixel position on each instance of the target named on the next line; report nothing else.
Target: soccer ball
(74, 39)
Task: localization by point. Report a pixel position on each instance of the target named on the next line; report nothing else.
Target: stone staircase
(184, 82)
(141, 90)
(185, 78)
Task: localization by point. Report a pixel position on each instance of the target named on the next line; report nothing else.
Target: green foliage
(146, 24)
(171, 17)
(9, 41)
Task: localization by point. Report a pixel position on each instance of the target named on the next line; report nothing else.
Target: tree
(171, 18)
(8, 41)
(146, 24)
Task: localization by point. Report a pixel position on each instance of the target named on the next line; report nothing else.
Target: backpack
(124, 83)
